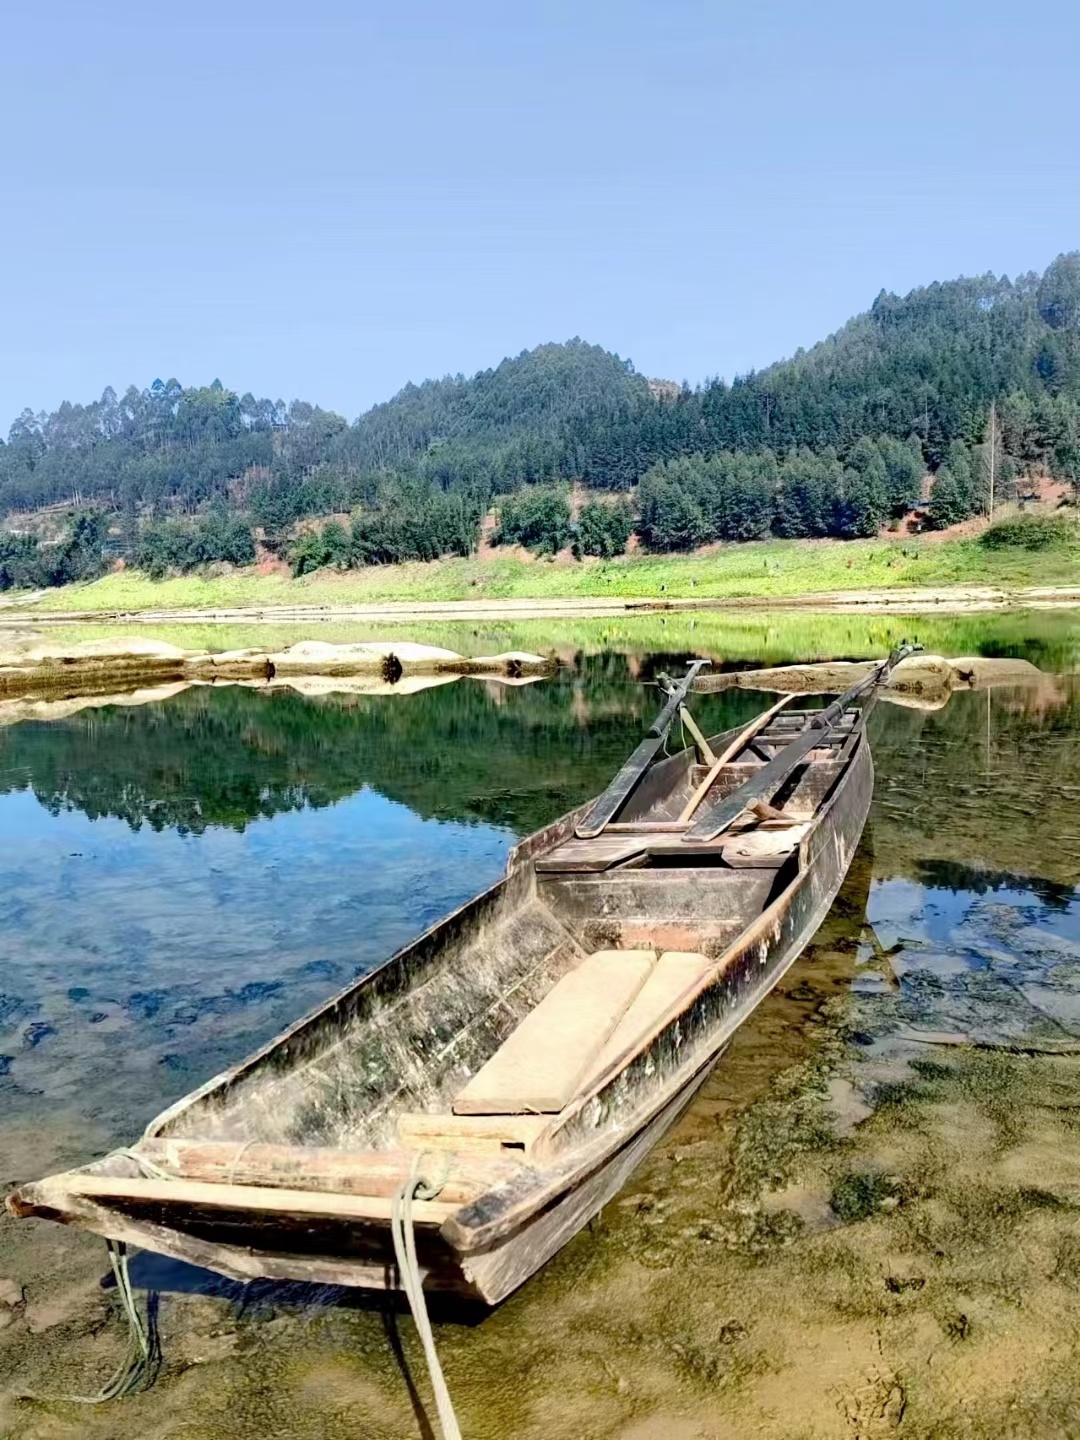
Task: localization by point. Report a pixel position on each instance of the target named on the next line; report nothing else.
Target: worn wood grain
(541, 1065)
(729, 753)
(243, 1199)
(476, 1134)
(332, 1171)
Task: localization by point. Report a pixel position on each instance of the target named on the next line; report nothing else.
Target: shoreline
(913, 601)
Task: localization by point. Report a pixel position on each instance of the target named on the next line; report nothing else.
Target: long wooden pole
(741, 740)
(622, 787)
(719, 816)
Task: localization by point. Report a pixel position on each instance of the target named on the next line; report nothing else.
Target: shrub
(1031, 532)
(183, 544)
(538, 518)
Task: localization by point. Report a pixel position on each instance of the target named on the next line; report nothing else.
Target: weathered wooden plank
(675, 974)
(597, 854)
(188, 1195)
(323, 1169)
(644, 827)
(703, 746)
(618, 792)
(719, 816)
(541, 1065)
(477, 1134)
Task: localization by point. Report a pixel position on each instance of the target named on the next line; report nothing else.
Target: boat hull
(507, 1262)
(485, 1250)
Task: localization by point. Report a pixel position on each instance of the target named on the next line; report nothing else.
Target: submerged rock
(11, 1293)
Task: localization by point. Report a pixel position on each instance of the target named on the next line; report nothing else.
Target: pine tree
(950, 499)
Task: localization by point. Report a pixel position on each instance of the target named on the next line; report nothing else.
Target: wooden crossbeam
(739, 743)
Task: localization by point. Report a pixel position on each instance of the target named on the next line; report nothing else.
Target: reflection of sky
(905, 909)
(996, 965)
(139, 962)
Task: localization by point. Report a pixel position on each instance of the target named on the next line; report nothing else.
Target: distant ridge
(832, 441)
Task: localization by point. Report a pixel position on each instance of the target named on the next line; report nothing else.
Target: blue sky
(327, 200)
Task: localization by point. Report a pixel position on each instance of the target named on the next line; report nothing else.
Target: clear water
(180, 880)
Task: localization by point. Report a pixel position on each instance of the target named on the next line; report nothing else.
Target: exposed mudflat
(30, 667)
(913, 600)
(851, 1233)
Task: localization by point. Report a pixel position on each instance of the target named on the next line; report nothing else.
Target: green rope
(139, 1367)
(404, 1237)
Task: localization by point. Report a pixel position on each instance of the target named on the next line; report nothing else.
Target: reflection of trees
(976, 880)
(467, 751)
(989, 782)
(946, 796)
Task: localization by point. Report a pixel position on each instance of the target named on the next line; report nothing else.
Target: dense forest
(834, 441)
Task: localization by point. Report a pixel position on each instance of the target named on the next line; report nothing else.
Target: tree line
(824, 443)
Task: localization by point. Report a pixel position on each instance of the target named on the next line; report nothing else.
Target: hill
(971, 379)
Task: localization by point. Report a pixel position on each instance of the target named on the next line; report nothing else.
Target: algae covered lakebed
(867, 1225)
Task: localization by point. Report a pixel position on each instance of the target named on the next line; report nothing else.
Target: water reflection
(224, 757)
(153, 926)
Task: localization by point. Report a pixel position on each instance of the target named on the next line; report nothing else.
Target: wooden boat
(531, 1047)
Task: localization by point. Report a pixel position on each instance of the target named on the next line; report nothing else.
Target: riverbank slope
(892, 572)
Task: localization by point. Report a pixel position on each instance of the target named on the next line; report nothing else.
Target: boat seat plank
(496, 1135)
(592, 855)
(674, 975)
(540, 1066)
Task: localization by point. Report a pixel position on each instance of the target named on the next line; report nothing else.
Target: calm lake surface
(863, 1227)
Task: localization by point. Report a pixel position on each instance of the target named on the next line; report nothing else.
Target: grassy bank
(773, 568)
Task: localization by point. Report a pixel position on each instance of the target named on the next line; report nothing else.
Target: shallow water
(867, 1221)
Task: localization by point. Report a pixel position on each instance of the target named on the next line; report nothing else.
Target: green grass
(773, 568)
(727, 633)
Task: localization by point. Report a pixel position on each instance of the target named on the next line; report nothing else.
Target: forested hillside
(834, 441)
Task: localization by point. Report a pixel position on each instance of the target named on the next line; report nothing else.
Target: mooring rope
(404, 1237)
(146, 1166)
(139, 1367)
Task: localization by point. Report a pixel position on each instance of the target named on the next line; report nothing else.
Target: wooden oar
(719, 816)
(742, 739)
(619, 791)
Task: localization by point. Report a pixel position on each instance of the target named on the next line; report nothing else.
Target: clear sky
(327, 199)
